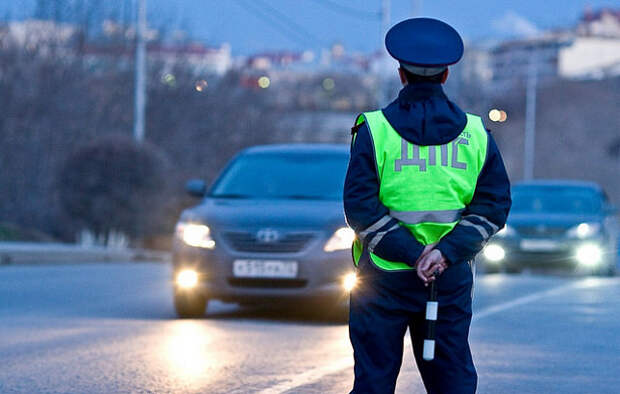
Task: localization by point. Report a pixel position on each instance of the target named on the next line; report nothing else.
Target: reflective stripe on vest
(425, 187)
(415, 217)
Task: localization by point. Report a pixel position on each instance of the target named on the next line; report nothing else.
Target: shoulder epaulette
(355, 128)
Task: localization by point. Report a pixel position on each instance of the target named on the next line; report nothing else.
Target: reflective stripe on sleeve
(415, 217)
(483, 231)
(483, 220)
(375, 226)
(379, 236)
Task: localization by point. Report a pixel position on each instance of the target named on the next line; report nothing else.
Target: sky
(252, 26)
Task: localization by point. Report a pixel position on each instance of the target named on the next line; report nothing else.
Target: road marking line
(491, 310)
(316, 374)
(311, 376)
(585, 283)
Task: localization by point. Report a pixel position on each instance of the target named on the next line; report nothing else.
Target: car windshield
(555, 200)
(312, 176)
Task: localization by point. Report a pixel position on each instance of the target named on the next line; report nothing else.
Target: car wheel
(190, 305)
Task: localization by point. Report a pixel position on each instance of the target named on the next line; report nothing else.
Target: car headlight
(589, 255)
(506, 231)
(187, 279)
(349, 281)
(194, 234)
(342, 239)
(584, 230)
(494, 253)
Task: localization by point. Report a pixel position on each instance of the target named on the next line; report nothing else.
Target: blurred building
(333, 80)
(37, 34)
(602, 23)
(278, 61)
(590, 50)
(202, 60)
(590, 58)
(595, 51)
(511, 61)
(115, 45)
(475, 66)
(335, 59)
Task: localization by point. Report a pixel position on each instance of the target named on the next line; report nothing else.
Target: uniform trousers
(385, 304)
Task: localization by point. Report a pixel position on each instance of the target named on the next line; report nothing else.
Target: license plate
(264, 269)
(539, 245)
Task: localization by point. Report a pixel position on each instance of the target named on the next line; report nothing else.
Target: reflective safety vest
(425, 187)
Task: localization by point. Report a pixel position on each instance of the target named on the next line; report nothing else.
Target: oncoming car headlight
(194, 234)
(342, 239)
(584, 230)
(187, 279)
(349, 281)
(589, 254)
(494, 253)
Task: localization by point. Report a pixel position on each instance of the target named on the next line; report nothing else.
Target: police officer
(425, 189)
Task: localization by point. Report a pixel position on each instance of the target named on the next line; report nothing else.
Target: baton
(432, 305)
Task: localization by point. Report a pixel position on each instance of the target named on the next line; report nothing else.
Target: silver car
(270, 229)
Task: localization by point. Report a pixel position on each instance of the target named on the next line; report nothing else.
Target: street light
(201, 85)
(494, 115)
(328, 84)
(264, 82)
(498, 115)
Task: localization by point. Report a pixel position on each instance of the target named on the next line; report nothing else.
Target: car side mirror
(196, 188)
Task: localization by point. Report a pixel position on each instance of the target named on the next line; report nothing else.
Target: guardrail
(57, 253)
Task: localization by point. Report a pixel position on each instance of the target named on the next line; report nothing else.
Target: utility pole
(140, 79)
(383, 90)
(416, 8)
(386, 10)
(530, 119)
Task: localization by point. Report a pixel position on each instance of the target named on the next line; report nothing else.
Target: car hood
(551, 219)
(252, 214)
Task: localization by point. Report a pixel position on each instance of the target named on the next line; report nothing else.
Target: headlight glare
(584, 230)
(494, 253)
(349, 281)
(342, 239)
(194, 234)
(187, 278)
(589, 255)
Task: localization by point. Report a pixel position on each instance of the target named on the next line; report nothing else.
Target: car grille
(541, 232)
(247, 242)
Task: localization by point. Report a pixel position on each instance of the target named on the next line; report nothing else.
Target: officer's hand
(426, 250)
(429, 264)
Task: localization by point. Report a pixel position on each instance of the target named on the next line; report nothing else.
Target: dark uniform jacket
(423, 115)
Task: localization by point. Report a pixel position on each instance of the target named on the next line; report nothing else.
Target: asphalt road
(111, 328)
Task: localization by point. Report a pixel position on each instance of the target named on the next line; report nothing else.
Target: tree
(113, 184)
